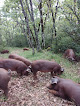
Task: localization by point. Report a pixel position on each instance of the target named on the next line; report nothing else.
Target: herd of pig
(64, 88)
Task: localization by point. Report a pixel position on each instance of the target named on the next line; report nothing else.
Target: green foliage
(2, 44)
(65, 43)
(78, 3)
(1, 48)
(19, 41)
(73, 31)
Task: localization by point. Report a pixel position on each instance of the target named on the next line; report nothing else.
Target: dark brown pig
(14, 65)
(4, 79)
(4, 51)
(45, 66)
(26, 49)
(20, 58)
(69, 53)
(65, 88)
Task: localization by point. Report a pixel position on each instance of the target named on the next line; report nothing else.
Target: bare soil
(24, 91)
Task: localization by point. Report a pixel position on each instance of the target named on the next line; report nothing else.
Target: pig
(4, 51)
(4, 80)
(26, 49)
(20, 58)
(69, 53)
(65, 88)
(45, 66)
(14, 65)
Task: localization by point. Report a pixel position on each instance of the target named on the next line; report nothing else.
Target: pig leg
(52, 73)
(5, 89)
(6, 92)
(19, 71)
(53, 92)
(35, 75)
(57, 93)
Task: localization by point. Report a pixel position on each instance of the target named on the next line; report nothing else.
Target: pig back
(11, 64)
(71, 89)
(69, 53)
(44, 65)
(20, 58)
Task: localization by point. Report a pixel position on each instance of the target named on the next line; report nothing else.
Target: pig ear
(9, 70)
(62, 69)
(54, 81)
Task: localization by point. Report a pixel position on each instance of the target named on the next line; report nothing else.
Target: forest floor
(24, 91)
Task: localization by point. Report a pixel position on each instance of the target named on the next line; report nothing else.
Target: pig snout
(71, 59)
(29, 69)
(59, 72)
(52, 83)
(62, 70)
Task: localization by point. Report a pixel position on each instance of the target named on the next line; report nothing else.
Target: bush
(2, 45)
(65, 43)
(18, 41)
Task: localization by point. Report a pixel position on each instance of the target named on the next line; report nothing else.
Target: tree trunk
(41, 21)
(28, 29)
(25, 32)
(74, 5)
(54, 17)
(33, 23)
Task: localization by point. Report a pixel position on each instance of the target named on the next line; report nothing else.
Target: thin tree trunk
(54, 17)
(41, 21)
(33, 37)
(44, 23)
(25, 32)
(28, 29)
(74, 5)
(45, 20)
(33, 23)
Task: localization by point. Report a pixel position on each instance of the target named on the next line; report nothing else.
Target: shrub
(19, 41)
(65, 43)
(2, 45)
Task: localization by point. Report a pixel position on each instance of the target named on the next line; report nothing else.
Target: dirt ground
(24, 91)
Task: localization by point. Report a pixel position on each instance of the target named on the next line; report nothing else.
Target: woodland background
(41, 24)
